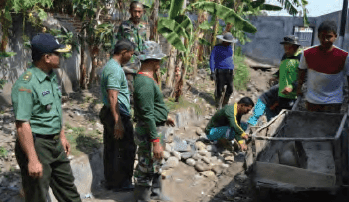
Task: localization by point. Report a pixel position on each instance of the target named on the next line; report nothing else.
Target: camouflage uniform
(151, 113)
(137, 35)
(147, 165)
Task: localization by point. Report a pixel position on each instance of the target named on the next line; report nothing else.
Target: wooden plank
(312, 139)
(340, 129)
(297, 177)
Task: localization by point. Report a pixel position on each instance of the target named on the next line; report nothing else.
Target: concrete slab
(297, 177)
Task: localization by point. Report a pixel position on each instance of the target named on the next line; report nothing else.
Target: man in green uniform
(135, 31)
(226, 122)
(41, 146)
(150, 112)
(119, 146)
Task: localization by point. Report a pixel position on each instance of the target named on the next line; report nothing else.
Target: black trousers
(119, 155)
(224, 77)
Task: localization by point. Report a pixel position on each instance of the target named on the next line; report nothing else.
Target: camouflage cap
(153, 51)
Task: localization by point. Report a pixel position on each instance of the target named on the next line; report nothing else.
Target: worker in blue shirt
(222, 67)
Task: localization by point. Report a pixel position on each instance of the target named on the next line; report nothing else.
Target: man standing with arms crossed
(118, 138)
(151, 112)
(41, 146)
(135, 31)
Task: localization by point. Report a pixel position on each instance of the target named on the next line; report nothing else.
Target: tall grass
(242, 73)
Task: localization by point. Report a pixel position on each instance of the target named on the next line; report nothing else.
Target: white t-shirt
(326, 74)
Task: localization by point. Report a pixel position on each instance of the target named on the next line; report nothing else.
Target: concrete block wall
(265, 45)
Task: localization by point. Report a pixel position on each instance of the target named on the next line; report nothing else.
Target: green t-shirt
(113, 77)
(288, 75)
(227, 116)
(149, 105)
(36, 98)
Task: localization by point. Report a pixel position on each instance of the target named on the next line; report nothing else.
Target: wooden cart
(301, 151)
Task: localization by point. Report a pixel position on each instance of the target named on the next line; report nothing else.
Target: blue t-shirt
(221, 57)
(113, 77)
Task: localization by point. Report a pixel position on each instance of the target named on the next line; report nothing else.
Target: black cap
(291, 39)
(46, 43)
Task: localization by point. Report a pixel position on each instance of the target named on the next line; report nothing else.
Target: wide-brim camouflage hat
(228, 37)
(153, 51)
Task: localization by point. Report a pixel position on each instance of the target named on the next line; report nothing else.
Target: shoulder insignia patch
(27, 76)
(24, 90)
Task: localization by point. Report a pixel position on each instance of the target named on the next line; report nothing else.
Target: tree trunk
(177, 87)
(215, 28)
(83, 71)
(93, 54)
(154, 21)
(195, 60)
(153, 33)
(228, 27)
(171, 68)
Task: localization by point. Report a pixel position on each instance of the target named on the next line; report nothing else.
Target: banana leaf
(268, 7)
(147, 3)
(176, 8)
(227, 14)
(289, 7)
(206, 25)
(258, 3)
(173, 39)
(204, 42)
(185, 22)
(173, 26)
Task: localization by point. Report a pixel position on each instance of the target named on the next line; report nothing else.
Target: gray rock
(197, 156)
(179, 120)
(199, 131)
(217, 169)
(190, 162)
(229, 158)
(242, 178)
(171, 163)
(187, 155)
(176, 154)
(168, 133)
(224, 165)
(203, 152)
(181, 145)
(209, 174)
(167, 155)
(211, 148)
(201, 167)
(206, 159)
(168, 148)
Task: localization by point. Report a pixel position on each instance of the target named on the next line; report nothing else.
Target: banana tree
(95, 33)
(291, 8)
(178, 26)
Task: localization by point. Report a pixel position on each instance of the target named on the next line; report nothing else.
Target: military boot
(142, 193)
(156, 190)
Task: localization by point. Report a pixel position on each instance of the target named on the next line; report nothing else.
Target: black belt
(157, 124)
(48, 137)
(225, 70)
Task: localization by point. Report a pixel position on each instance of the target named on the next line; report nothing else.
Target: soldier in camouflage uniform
(151, 113)
(135, 31)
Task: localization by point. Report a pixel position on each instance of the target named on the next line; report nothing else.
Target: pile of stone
(207, 159)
